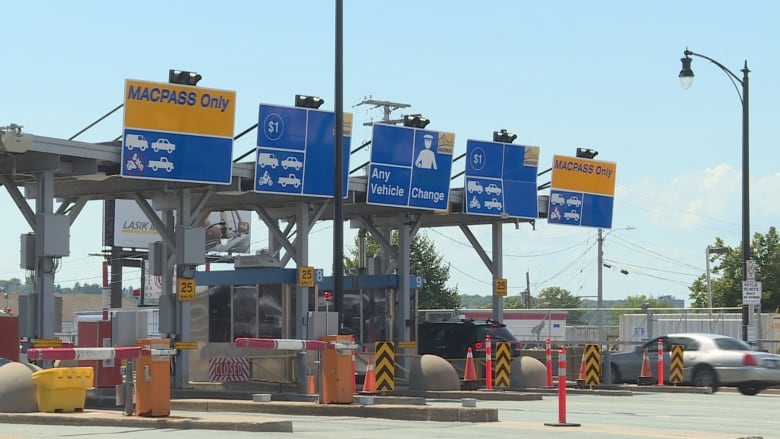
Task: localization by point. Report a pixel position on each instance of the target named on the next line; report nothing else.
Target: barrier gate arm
(287, 344)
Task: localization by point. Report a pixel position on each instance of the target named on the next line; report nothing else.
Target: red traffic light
(327, 294)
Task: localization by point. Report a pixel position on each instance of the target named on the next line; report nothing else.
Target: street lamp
(686, 80)
(711, 251)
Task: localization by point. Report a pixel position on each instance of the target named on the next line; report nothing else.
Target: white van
(136, 141)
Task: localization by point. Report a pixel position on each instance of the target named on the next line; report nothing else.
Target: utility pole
(387, 108)
(527, 290)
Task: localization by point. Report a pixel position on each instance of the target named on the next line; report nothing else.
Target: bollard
(660, 362)
(488, 363)
(549, 363)
(561, 393)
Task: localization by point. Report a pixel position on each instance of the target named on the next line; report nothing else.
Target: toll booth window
(219, 313)
(245, 311)
(269, 312)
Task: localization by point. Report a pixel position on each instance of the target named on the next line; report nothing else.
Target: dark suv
(451, 338)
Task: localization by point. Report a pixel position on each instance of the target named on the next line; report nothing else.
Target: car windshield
(731, 344)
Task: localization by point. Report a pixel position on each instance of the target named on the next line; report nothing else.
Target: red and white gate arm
(281, 344)
(115, 353)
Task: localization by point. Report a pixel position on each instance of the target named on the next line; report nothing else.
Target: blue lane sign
(295, 151)
(410, 167)
(500, 179)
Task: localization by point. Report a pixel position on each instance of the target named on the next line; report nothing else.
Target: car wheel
(749, 389)
(616, 377)
(704, 376)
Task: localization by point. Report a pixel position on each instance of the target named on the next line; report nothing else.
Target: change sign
(410, 167)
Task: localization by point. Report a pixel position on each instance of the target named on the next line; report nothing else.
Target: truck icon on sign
(557, 199)
(475, 186)
(291, 180)
(571, 215)
(163, 163)
(267, 159)
(136, 141)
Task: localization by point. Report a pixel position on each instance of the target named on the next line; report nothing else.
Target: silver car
(709, 360)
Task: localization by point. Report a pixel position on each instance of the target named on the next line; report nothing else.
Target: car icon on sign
(292, 162)
(573, 201)
(493, 189)
(572, 215)
(163, 143)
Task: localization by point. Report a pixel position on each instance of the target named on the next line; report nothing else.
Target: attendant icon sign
(410, 167)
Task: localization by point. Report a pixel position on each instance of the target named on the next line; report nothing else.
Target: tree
(424, 261)
(558, 298)
(726, 273)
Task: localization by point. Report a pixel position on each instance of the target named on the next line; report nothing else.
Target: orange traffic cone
(470, 381)
(581, 376)
(470, 373)
(369, 382)
(645, 375)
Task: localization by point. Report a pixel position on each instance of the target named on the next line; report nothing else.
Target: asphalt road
(723, 415)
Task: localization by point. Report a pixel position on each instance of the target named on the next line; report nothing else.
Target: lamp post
(711, 251)
(686, 80)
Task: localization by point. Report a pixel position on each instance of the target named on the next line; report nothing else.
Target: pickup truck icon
(163, 163)
(163, 143)
(574, 201)
(493, 204)
(571, 215)
(557, 199)
(136, 141)
(291, 180)
(474, 186)
(267, 159)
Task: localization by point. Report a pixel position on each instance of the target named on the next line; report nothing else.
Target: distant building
(672, 301)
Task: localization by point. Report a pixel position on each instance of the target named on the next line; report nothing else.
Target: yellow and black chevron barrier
(385, 365)
(503, 361)
(676, 365)
(591, 359)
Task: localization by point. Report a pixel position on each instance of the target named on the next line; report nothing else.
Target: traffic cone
(369, 382)
(645, 374)
(581, 376)
(470, 381)
(470, 373)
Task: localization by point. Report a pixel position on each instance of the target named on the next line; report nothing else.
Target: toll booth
(262, 303)
(97, 334)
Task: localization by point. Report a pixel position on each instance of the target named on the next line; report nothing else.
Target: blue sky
(560, 74)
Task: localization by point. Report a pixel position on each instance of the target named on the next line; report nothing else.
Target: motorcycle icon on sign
(265, 180)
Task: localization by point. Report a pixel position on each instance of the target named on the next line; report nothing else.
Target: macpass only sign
(178, 133)
(581, 192)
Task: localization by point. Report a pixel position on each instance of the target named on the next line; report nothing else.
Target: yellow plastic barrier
(62, 389)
